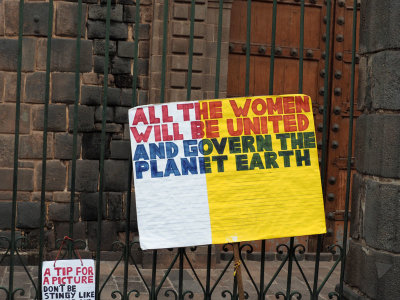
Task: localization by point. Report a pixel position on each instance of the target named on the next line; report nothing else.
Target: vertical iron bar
(180, 285)
(135, 54)
(235, 287)
(248, 36)
(153, 295)
(219, 41)
(127, 232)
(207, 296)
(349, 149)
(270, 91)
(164, 51)
(300, 90)
(75, 129)
(324, 139)
(290, 268)
(190, 64)
(44, 158)
(261, 295)
(16, 146)
(102, 150)
(273, 39)
(301, 50)
(129, 194)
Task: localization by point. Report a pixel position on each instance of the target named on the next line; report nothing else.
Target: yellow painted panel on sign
(268, 182)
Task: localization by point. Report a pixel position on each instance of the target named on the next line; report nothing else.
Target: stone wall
(62, 98)
(61, 108)
(373, 263)
(204, 45)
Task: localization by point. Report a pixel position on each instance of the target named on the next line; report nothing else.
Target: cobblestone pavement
(21, 280)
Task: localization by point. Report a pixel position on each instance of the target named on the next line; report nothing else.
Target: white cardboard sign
(68, 279)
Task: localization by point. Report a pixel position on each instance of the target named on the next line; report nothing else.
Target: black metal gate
(14, 241)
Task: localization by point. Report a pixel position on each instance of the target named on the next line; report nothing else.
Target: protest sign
(225, 170)
(68, 279)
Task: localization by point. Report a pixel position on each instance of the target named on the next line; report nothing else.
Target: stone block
(110, 127)
(357, 202)
(115, 175)
(109, 116)
(100, 47)
(144, 31)
(99, 12)
(35, 87)
(25, 180)
(143, 97)
(91, 145)
(126, 97)
(91, 95)
(63, 197)
(35, 18)
(26, 164)
(200, 13)
(126, 49)
(378, 89)
(181, 11)
(37, 197)
(87, 174)
(123, 81)
(180, 45)
(175, 95)
(31, 146)
(180, 63)
(377, 137)
(9, 54)
(97, 30)
(2, 81)
(121, 115)
(66, 19)
(85, 118)
(378, 26)
(63, 55)
(144, 49)
(120, 149)
(56, 118)
(62, 229)
(28, 215)
(7, 118)
(142, 66)
(129, 14)
(10, 20)
(182, 28)
(108, 235)
(63, 88)
(5, 214)
(6, 195)
(143, 83)
(6, 150)
(2, 18)
(373, 272)
(178, 80)
(382, 216)
(120, 65)
(89, 206)
(10, 81)
(99, 63)
(63, 147)
(56, 174)
(115, 202)
(113, 96)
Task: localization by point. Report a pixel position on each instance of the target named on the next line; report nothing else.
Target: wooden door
(286, 79)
